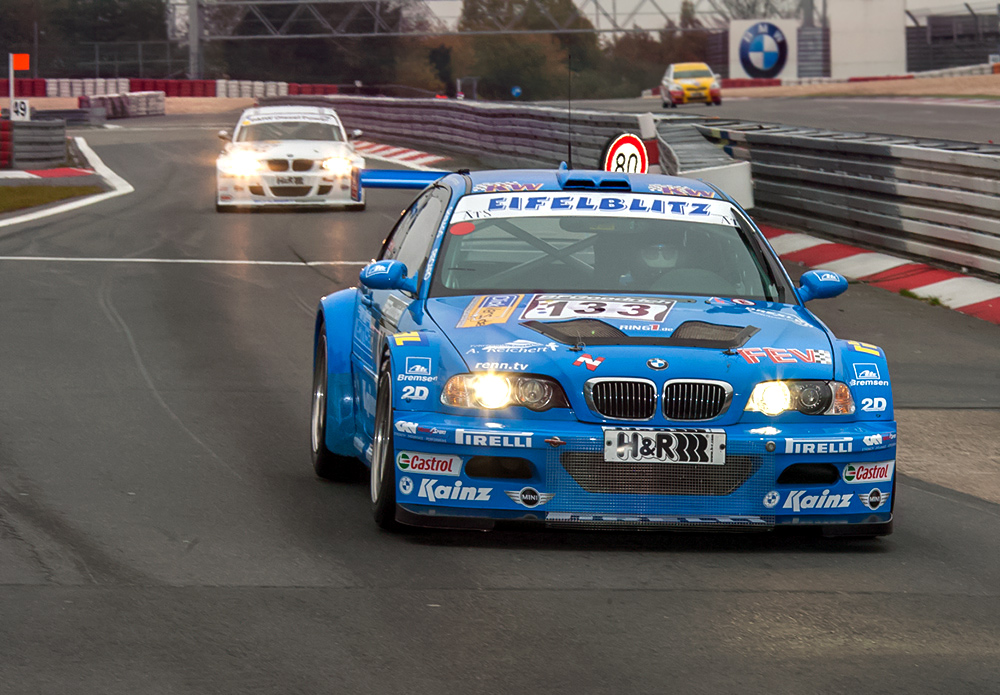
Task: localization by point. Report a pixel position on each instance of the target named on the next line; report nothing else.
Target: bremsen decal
(819, 445)
(439, 464)
(753, 355)
(516, 440)
(869, 472)
(867, 374)
(798, 500)
(418, 369)
(484, 311)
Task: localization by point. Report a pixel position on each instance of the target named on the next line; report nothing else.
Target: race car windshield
(653, 254)
(692, 74)
(288, 130)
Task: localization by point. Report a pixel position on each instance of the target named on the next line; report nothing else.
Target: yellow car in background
(686, 83)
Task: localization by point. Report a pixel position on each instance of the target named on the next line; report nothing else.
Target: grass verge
(933, 301)
(20, 197)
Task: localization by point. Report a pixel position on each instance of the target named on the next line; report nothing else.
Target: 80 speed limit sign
(625, 153)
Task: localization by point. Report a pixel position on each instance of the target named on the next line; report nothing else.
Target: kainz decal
(432, 492)
(763, 50)
(410, 338)
(785, 355)
(591, 362)
(865, 347)
(798, 500)
(484, 311)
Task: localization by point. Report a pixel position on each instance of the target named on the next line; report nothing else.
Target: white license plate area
(698, 447)
(289, 181)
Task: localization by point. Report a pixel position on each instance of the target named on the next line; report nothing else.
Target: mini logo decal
(529, 496)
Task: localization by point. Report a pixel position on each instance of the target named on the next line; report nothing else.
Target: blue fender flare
(336, 317)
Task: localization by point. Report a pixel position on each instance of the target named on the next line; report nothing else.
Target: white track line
(191, 261)
(955, 292)
(862, 265)
(119, 187)
(790, 243)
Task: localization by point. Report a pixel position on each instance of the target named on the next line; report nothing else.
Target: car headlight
(341, 166)
(675, 87)
(715, 85)
(492, 391)
(240, 164)
(809, 397)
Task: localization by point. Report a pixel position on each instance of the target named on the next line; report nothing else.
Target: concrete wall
(867, 38)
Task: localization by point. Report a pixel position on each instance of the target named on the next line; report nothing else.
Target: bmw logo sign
(406, 485)
(763, 50)
(771, 499)
(656, 363)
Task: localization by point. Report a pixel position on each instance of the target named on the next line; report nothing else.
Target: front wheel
(327, 464)
(383, 474)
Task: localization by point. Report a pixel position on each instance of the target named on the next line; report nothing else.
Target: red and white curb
(969, 295)
(414, 159)
(60, 173)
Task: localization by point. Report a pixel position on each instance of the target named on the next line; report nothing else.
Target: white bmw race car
(289, 156)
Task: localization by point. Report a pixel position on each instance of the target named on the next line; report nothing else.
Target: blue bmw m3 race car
(587, 348)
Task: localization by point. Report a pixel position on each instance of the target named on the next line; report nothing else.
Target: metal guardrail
(935, 200)
(38, 144)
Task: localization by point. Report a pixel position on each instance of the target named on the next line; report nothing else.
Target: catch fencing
(933, 200)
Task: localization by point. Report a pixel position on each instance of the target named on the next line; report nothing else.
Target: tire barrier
(126, 105)
(931, 200)
(6, 143)
(32, 144)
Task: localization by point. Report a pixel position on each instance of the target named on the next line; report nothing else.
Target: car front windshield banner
(585, 242)
(258, 130)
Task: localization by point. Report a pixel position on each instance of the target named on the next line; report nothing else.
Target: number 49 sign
(625, 153)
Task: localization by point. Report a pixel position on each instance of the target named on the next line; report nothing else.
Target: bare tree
(754, 9)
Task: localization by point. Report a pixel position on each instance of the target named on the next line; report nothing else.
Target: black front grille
(595, 475)
(302, 164)
(277, 164)
(257, 189)
(290, 191)
(624, 400)
(694, 400)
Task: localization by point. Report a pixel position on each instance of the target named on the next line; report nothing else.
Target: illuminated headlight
(240, 163)
(809, 397)
(340, 166)
(492, 391)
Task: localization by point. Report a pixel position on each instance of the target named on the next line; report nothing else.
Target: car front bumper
(294, 189)
(562, 476)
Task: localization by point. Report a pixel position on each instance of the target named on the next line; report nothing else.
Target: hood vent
(688, 334)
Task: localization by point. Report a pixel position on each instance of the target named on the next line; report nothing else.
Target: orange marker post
(16, 61)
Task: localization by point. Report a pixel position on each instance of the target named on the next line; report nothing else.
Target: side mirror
(717, 76)
(820, 284)
(387, 275)
(355, 134)
(224, 135)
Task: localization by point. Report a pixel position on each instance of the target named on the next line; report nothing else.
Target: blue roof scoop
(592, 180)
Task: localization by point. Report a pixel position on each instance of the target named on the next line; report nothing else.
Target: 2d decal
(484, 311)
(785, 355)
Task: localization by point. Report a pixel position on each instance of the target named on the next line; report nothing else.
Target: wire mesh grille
(302, 164)
(277, 164)
(290, 191)
(624, 400)
(692, 400)
(590, 490)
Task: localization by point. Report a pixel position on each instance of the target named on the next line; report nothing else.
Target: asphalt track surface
(161, 530)
(893, 116)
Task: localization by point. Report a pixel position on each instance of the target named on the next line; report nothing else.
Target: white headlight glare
(770, 398)
(491, 390)
(240, 163)
(340, 166)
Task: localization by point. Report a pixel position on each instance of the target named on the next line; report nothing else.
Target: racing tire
(717, 102)
(357, 207)
(383, 474)
(223, 208)
(326, 464)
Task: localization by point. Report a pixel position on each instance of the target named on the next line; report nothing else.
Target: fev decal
(484, 311)
(754, 355)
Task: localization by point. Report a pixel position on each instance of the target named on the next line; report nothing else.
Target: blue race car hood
(737, 341)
